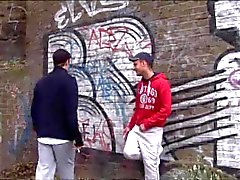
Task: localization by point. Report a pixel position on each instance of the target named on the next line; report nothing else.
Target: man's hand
(125, 132)
(78, 144)
(78, 148)
(142, 128)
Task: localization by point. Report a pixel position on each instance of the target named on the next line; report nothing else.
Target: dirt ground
(92, 164)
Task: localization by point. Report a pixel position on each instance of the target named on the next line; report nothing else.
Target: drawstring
(141, 90)
(149, 88)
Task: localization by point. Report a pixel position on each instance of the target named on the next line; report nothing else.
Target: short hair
(60, 56)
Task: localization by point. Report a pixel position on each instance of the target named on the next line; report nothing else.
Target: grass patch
(199, 171)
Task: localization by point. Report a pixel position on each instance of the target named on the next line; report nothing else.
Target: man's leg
(151, 148)
(46, 163)
(131, 149)
(65, 157)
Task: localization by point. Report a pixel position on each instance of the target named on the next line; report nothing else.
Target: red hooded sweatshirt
(153, 102)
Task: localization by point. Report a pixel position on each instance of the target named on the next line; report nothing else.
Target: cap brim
(133, 59)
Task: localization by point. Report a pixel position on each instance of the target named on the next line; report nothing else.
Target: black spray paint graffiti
(104, 74)
(205, 109)
(225, 23)
(193, 118)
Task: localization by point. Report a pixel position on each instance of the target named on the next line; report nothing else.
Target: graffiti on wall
(226, 25)
(104, 74)
(195, 120)
(67, 12)
(226, 149)
(22, 122)
(204, 109)
(225, 22)
(12, 17)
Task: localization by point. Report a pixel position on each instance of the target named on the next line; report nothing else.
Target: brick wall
(16, 130)
(12, 30)
(13, 81)
(194, 42)
(178, 33)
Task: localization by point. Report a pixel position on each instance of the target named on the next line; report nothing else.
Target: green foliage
(200, 171)
(197, 170)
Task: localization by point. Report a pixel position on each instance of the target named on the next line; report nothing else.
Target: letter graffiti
(12, 10)
(91, 7)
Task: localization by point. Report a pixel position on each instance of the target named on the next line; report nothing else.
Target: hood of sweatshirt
(153, 101)
(150, 81)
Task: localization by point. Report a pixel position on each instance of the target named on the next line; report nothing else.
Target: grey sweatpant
(55, 157)
(146, 146)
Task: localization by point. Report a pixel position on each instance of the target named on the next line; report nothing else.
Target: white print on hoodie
(148, 96)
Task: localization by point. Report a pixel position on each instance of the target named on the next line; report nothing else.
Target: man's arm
(165, 99)
(133, 119)
(34, 108)
(130, 125)
(132, 122)
(71, 105)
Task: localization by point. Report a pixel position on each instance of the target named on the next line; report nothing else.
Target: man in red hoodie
(144, 132)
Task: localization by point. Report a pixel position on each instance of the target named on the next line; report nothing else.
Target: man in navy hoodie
(54, 117)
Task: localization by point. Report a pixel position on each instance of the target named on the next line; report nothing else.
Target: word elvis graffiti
(91, 7)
